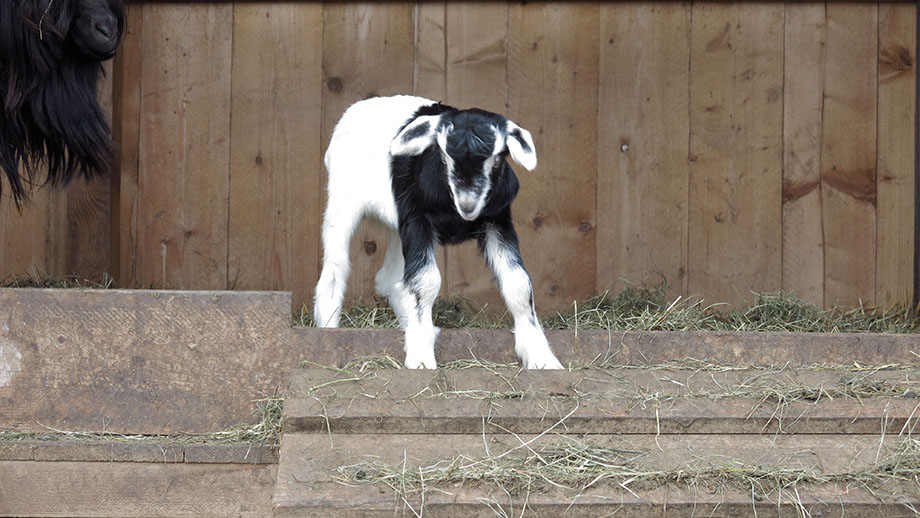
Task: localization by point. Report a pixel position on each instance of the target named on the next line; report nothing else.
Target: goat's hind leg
(338, 228)
(388, 282)
(499, 245)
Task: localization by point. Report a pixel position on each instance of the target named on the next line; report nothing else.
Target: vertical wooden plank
(642, 144)
(803, 92)
(895, 224)
(476, 77)
(184, 145)
(430, 79)
(431, 50)
(275, 151)
(552, 91)
(368, 50)
(88, 216)
(848, 153)
(736, 135)
(126, 132)
(32, 241)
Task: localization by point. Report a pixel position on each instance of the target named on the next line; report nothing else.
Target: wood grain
(184, 146)
(275, 156)
(368, 51)
(552, 91)
(303, 488)
(140, 362)
(131, 489)
(736, 137)
(798, 177)
(642, 145)
(848, 154)
(803, 103)
(126, 133)
(477, 61)
(895, 242)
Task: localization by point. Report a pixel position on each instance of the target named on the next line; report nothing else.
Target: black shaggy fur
(50, 65)
(427, 216)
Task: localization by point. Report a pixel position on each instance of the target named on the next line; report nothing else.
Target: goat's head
(473, 144)
(50, 55)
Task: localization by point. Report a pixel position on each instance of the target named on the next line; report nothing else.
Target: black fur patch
(516, 135)
(416, 132)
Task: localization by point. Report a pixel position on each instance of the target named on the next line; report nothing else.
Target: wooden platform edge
(124, 451)
(135, 490)
(337, 346)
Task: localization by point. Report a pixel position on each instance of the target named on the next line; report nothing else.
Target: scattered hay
(34, 278)
(575, 466)
(645, 308)
(266, 430)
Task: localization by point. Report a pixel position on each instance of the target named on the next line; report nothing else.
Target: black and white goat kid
(50, 64)
(432, 175)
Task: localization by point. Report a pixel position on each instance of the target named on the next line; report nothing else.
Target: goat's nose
(106, 26)
(467, 206)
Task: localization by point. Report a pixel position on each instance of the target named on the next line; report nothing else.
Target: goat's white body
(360, 185)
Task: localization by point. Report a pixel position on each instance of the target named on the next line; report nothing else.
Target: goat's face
(97, 27)
(473, 145)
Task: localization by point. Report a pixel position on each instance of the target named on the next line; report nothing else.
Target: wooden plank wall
(729, 147)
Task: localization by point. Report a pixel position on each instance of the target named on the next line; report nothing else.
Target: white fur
(527, 158)
(517, 290)
(358, 163)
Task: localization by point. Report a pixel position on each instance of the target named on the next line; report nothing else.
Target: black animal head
(473, 145)
(50, 65)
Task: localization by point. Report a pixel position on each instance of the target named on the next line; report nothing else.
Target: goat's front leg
(417, 292)
(499, 245)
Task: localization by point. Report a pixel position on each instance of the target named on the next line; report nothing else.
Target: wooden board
(586, 402)
(736, 150)
(553, 91)
(305, 487)
(367, 51)
(126, 450)
(133, 489)
(140, 362)
(642, 145)
(126, 105)
(848, 151)
(338, 346)
(184, 146)
(803, 102)
(275, 157)
(476, 76)
(895, 241)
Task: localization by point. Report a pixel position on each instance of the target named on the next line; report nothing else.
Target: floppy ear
(416, 136)
(520, 145)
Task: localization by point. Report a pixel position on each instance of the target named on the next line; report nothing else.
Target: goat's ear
(520, 145)
(416, 136)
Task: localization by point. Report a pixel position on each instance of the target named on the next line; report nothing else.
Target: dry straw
(646, 308)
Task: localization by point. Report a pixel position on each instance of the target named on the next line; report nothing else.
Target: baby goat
(433, 175)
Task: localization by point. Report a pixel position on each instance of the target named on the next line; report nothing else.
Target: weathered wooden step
(332, 475)
(631, 401)
(113, 478)
(579, 348)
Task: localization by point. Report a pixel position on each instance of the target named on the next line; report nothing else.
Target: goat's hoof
(544, 363)
(417, 363)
